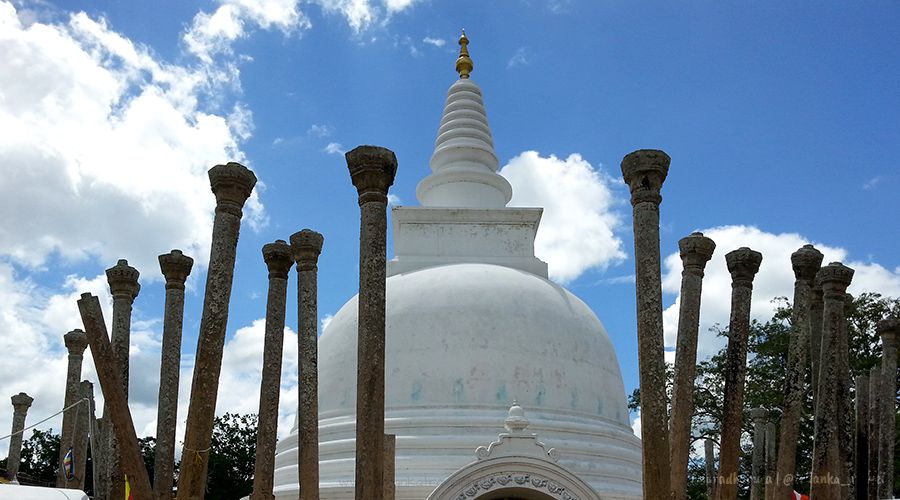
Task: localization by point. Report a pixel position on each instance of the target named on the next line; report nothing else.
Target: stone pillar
(815, 337)
(758, 463)
(806, 263)
(390, 446)
(710, 463)
(696, 250)
(21, 403)
(645, 171)
(743, 265)
(875, 378)
(827, 463)
(889, 330)
(372, 170)
(83, 426)
(76, 343)
(306, 246)
(123, 284)
(861, 444)
(109, 373)
(232, 185)
(176, 267)
(845, 412)
(771, 459)
(278, 260)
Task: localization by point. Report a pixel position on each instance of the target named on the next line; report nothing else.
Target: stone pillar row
(889, 330)
(76, 343)
(758, 461)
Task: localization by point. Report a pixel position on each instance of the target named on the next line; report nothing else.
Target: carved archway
(516, 466)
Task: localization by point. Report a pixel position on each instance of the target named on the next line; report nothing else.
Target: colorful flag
(799, 496)
(128, 495)
(69, 464)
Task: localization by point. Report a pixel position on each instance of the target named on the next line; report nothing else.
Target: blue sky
(782, 121)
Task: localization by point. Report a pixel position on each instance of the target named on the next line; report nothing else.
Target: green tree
(40, 454)
(232, 457)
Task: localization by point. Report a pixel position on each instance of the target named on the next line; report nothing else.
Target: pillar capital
(696, 250)
(743, 264)
(834, 279)
(372, 170)
(176, 267)
(278, 258)
(76, 342)
(644, 171)
(806, 262)
(889, 330)
(123, 280)
(21, 402)
(306, 246)
(232, 184)
(759, 414)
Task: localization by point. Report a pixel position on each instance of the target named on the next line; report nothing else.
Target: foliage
(232, 457)
(766, 369)
(40, 454)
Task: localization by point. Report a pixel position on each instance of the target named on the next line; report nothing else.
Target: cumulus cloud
(775, 278)
(334, 148)
(578, 228)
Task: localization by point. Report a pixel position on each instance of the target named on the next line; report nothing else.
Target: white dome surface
(462, 342)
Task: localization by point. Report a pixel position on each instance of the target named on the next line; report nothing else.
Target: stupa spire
(464, 165)
(464, 62)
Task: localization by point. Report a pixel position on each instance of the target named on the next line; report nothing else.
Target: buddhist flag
(799, 496)
(69, 464)
(128, 495)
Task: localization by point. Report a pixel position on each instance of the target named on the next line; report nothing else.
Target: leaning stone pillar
(861, 444)
(372, 170)
(123, 284)
(76, 343)
(306, 246)
(696, 250)
(278, 260)
(232, 185)
(758, 463)
(645, 171)
(743, 265)
(771, 459)
(710, 463)
(875, 378)
(82, 433)
(176, 267)
(827, 463)
(806, 263)
(21, 403)
(815, 338)
(889, 330)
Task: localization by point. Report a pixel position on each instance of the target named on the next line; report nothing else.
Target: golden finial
(464, 62)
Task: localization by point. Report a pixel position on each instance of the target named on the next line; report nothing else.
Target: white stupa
(473, 324)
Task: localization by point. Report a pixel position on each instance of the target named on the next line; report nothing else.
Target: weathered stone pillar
(889, 330)
(306, 246)
(743, 265)
(861, 444)
(696, 250)
(372, 170)
(83, 426)
(758, 463)
(845, 412)
(710, 463)
(806, 263)
(232, 185)
(771, 459)
(21, 403)
(390, 447)
(123, 284)
(76, 343)
(109, 373)
(176, 267)
(827, 463)
(815, 337)
(875, 379)
(278, 260)
(645, 171)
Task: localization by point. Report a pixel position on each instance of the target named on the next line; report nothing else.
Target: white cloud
(871, 183)
(578, 227)
(636, 424)
(398, 5)
(437, 42)
(519, 58)
(334, 148)
(320, 130)
(326, 320)
(393, 200)
(775, 278)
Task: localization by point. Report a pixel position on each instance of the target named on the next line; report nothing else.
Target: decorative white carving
(503, 479)
(516, 442)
